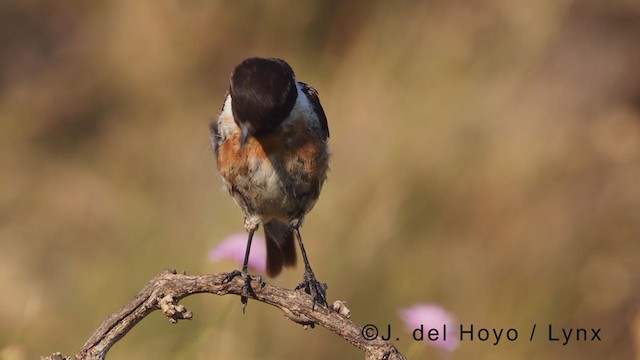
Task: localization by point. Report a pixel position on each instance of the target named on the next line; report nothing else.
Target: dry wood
(164, 291)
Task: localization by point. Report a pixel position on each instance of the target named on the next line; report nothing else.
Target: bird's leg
(310, 284)
(246, 288)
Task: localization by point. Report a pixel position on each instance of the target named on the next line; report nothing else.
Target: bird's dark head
(263, 92)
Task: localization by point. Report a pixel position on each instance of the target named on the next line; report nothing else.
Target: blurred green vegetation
(486, 157)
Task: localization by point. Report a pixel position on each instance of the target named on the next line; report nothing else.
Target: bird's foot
(230, 276)
(247, 290)
(313, 287)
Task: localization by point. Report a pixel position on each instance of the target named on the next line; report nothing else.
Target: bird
(270, 144)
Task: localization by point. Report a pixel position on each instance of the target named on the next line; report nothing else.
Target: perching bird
(270, 144)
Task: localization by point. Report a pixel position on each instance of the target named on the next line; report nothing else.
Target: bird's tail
(281, 249)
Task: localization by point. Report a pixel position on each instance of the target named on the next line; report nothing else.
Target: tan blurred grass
(486, 157)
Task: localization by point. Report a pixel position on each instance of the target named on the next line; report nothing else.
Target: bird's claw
(313, 287)
(230, 276)
(247, 290)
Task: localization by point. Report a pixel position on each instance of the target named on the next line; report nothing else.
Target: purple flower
(233, 247)
(431, 316)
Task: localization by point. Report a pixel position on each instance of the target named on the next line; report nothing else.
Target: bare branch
(165, 290)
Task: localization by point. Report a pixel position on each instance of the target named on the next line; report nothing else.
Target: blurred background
(486, 158)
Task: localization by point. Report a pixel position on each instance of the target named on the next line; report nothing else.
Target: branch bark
(164, 291)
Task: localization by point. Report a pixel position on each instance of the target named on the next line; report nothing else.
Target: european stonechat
(270, 144)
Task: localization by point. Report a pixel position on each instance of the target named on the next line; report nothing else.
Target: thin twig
(165, 290)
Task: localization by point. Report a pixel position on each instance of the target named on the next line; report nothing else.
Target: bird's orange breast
(294, 149)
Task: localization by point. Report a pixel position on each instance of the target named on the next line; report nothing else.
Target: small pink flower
(233, 247)
(431, 316)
